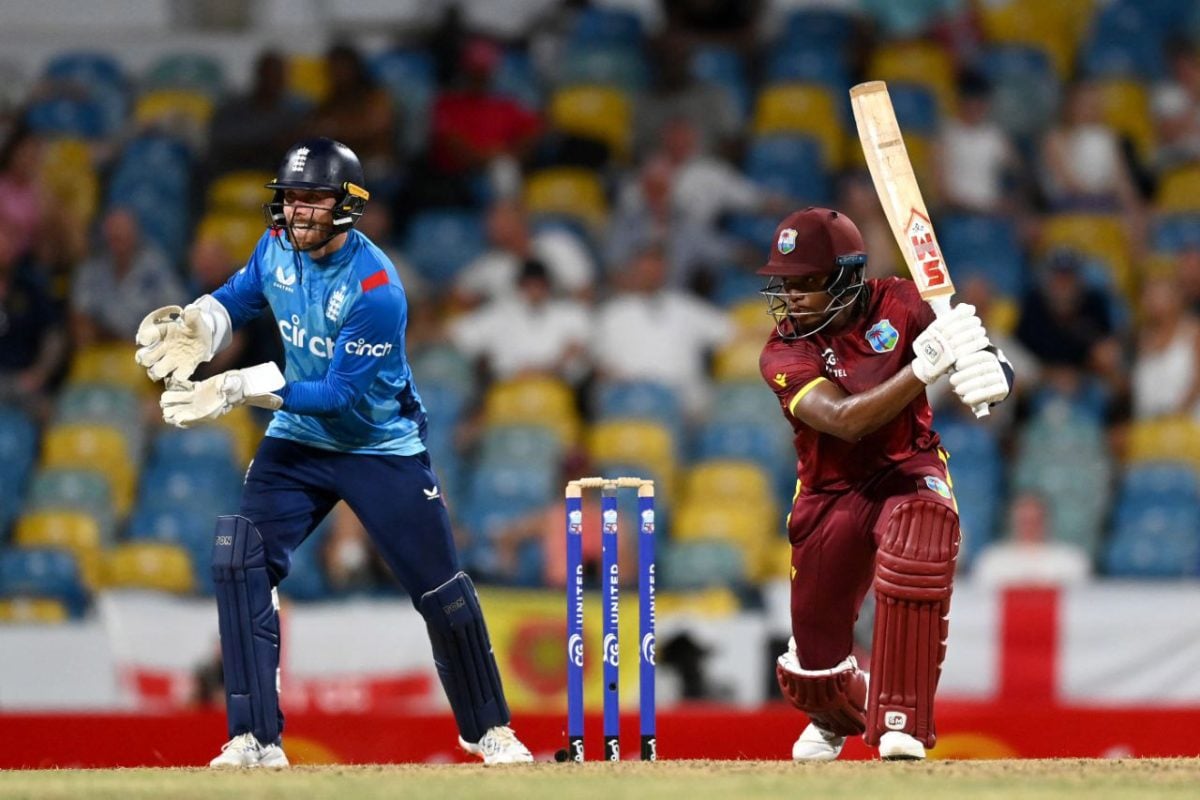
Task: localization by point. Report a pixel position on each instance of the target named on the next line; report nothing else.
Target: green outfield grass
(728, 780)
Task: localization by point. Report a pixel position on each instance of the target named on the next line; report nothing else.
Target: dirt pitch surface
(727, 780)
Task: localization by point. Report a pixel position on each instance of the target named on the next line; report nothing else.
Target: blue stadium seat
(816, 26)
(85, 490)
(1160, 483)
(1124, 42)
(38, 572)
(1155, 542)
(158, 153)
(18, 447)
(1175, 232)
(517, 79)
(735, 284)
(611, 65)
(520, 444)
(189, 449)
(440, 243)
(743, 401)
(638, 400)
(499, 493)
(725, 68)
(811, 63)
(790, 165)
(442, 364)
(87, 68)
(613, 26)
(975, 244)
(444, 404)
(190, 528)
(305, 580)
(410, 78)
(80, 118)
(182, 485)
(916, 107)
(702, 564)
(977, 469)
(1025, 88)
(755, 230)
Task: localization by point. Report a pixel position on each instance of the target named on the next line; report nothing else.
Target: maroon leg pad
(834, 699)
(914, 576)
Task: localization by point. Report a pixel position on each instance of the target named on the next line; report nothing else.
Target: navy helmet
(322, 165)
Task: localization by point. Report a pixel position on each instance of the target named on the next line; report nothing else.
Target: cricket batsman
(349, 425)
(849, 361)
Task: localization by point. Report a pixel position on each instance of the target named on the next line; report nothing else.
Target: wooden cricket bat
(896, 185)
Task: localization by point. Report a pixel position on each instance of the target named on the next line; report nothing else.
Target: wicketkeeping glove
(948, 338)
(185, 403)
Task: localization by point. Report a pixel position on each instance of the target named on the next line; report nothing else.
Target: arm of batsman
(185, 404)
(947, 339)
(982, 377)
(174, 341)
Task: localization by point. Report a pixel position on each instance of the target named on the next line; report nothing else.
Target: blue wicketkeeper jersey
(342, 319)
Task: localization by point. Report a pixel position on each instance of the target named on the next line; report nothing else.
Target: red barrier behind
(990, 730)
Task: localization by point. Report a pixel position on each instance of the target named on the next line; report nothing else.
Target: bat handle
(941, 306)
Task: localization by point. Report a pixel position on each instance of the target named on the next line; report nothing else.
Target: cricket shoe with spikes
(897, 746)
(245, 751)
(816, 744)
(498, 746)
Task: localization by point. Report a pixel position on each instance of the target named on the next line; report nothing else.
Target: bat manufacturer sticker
(931, 269)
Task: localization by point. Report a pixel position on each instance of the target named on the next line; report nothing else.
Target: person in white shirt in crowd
(647, 331)
(1166, 363)
(1175, 107)
(976, 159)
(531, 331)
(1026, 556)
(494, 274)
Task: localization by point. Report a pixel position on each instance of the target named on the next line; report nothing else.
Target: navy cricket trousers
(290, 487)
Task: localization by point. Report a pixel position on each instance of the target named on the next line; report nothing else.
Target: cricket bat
(896, 185)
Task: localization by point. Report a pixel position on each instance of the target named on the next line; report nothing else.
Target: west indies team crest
(787, 240)
(882, 336)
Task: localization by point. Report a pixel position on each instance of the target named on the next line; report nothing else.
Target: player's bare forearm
(850, 417)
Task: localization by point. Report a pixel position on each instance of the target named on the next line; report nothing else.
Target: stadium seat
(819, 62)
(976, 244)
(187, 528)
(1169, 439)
(158, 153)
(110, 363)
(95, 446)
(77, 118)
(241, 191)
(1124, 42)
(620, 66)
(750, 529)
(611, 26)
(441, 242)
(1057, 28)
(520, 444)
(723, 67)
(83, 490)
(1126, 109)
(744, 401)
(238, 232)
(443, 364)
(738, 360)
(702, 564)
(247, 432)
(1026, 90)
(801, 109)
(922, 63)
(308, 77)
(69, 177)
(1179, 190)
(738, 482)
(806, 27)
(647, 400)
(197, 72)
(409, 77)
(182, 112)
(207, 445)
(148, 565)
(916, 106)
(44, 573)
(1172, 233)
(1103, 237)
(18, 449)
(186, 485)
(75, 532)
(105, 404)
(32, 610)
(567, 192)
(1150, 542)
(1160, 483)
(793, 166)
(601, 113)
(541, 401)
(517, 79)
(640, 443)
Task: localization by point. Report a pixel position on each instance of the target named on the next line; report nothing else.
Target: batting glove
(948, 338)
(981, 378)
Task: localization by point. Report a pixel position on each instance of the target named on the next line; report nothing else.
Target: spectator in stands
(22, 200)
(859, 200)
(360, 113)
(1175, 105)
(1068, 326)
(121, 284)
(33, 343)
(1187, 273)
(530, 331)
(212, 264)
(677, 94)
(1166, 364)
(1027, 556)
(647, 331)
(494, 274)
(975, 159)
(1083, 166)
(248, 130)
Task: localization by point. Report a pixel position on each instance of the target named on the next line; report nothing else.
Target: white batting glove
(948, 338)
(979, 378)
(185, 404)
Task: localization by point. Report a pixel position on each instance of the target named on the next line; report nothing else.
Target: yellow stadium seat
(69, 176)
(733, 481)
(308, 77)
(751, 529)
(1055, 27)
(1102, 237)
(751, 317)
(244, 190)
(1179, 190)
(25, 610)
(738, 360)
(75, 531)
(603, 113)
(777, 563)
(1170, 439)
(149, 565)
(919, 62)
(93, 446)
(804, 109)
(1126, 110)
(177, 109)
(111, 363)
(540, 400)
(569, 192)
(635, 443)
(239, 232)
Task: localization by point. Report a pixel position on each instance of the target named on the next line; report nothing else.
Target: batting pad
(834, 699)
(248, 614)
(463, 654)
(914, 576)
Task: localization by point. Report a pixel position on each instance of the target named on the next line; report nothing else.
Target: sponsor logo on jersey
(831, 363)
(787, 240)
(882, 336)
(431, 494)
(364, 348)
(283, 280)
(333, 309)
(296, 336)
(937, 485)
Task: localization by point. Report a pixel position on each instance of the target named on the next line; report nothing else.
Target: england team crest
(787, 240)
(882, 336)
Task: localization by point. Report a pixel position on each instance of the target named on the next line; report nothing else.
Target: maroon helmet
(814, 241)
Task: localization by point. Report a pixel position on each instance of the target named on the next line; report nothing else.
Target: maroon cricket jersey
(874, 349)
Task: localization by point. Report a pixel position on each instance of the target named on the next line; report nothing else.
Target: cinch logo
(293, 334)
(364, 348)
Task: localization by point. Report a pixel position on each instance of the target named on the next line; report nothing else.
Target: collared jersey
(875, 348)
(342, 320)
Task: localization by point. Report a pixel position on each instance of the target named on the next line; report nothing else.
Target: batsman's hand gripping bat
(892, 173)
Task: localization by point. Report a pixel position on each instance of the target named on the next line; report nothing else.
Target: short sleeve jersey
(875, 348)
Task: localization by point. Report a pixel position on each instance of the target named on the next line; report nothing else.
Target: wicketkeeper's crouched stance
(849, 362)
(349, 425)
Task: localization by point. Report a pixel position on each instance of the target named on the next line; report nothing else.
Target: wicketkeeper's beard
(306, 233)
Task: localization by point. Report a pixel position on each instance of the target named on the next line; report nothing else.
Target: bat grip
(941, 307)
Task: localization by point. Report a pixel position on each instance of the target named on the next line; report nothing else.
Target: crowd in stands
(577, 210)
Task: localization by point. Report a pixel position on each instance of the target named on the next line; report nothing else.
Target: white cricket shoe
(247, 751)
(816, 744)
(897, 746)
(498, 746)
